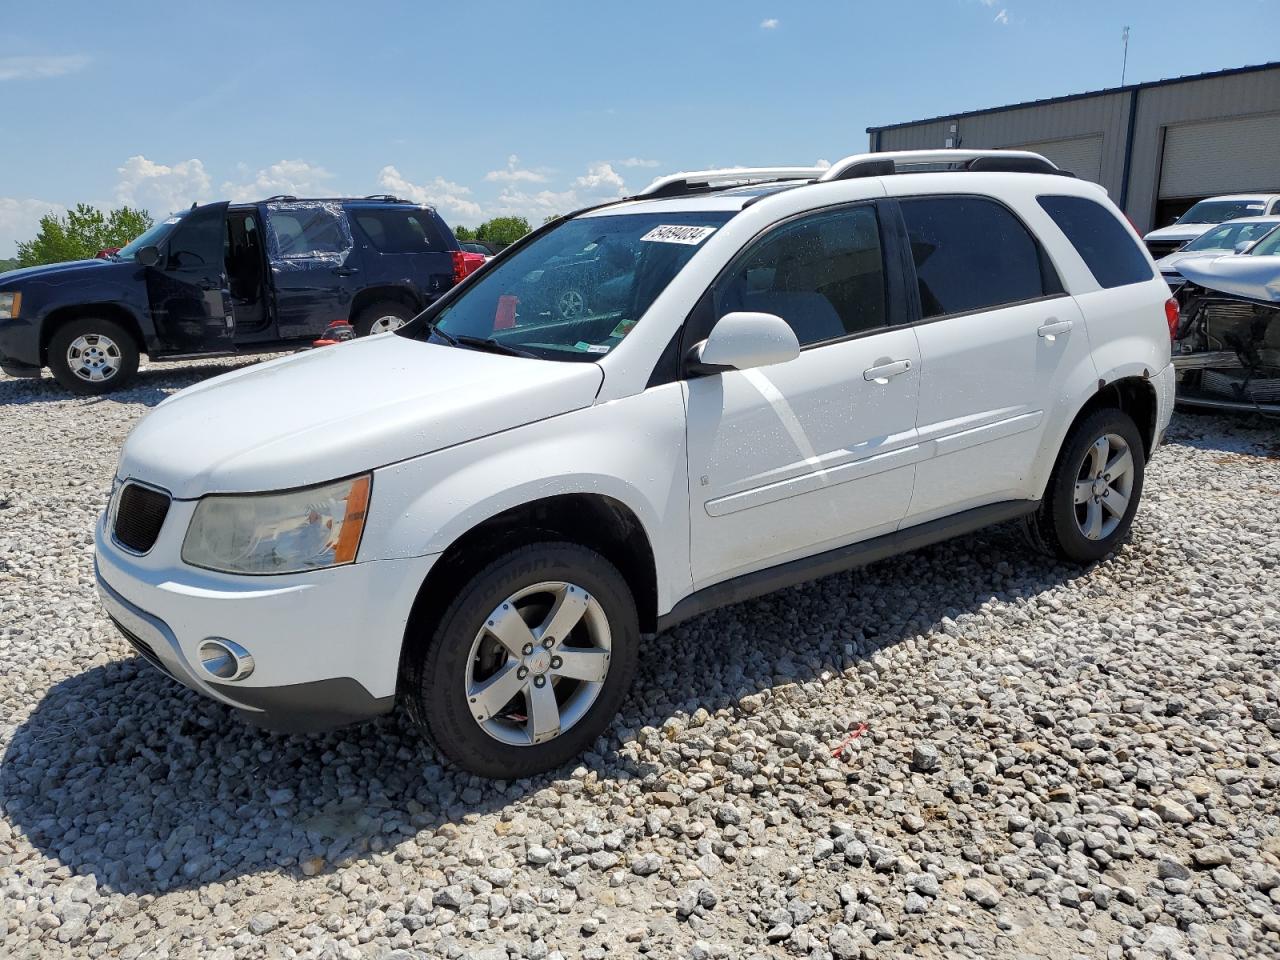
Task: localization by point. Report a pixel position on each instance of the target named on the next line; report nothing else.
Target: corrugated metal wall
(1106, 115)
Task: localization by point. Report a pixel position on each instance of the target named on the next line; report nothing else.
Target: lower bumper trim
(307, 707)
(24, 370)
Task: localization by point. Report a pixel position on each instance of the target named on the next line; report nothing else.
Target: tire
(1088, 531)
(92, 356)
(444, 673)
(383, 317)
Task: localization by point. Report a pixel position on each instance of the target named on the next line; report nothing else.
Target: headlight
(279, 532)
(10, 304)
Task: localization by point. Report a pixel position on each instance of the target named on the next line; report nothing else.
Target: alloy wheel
(571, 304)
(1104, 484)
(386, 324)
(94, 357)
(538, 663)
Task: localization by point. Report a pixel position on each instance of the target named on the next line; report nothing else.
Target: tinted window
(823, 274)
(971, 254)
(1106, 247)
(198, 240)
(400, 231)
(1216, 211)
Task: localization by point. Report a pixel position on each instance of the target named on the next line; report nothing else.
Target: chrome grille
(140, 514)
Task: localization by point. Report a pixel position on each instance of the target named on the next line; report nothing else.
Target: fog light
(225, 659)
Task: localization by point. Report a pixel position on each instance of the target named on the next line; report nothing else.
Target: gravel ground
(1055, 762)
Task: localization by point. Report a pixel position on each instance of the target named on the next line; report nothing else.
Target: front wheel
(92, 356)
(1094, 491)
(385, 317)
(528, 664)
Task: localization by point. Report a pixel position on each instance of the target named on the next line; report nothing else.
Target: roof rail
(701, 181)
(280, 196)
(385, 197)
(891, 162)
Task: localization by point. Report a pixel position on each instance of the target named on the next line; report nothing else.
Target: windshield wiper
(448, 338)
(492, 346)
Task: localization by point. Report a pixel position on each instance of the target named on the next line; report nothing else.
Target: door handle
(1051, 328)
(884, 371)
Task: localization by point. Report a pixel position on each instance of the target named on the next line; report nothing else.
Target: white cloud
(296, 177)
(514, 173)
(1002, 18)
(40, 68)
(637, 162)
(770, 24)
(600, 176)
(448, 197)
(162, 188)
(513, 202)
(987, 3)
(19, 220)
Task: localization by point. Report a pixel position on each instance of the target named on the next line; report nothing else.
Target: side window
(971, 254)
(823, 274)
(309, 231)
(1110, 253)
(199, 240)
(400, 231)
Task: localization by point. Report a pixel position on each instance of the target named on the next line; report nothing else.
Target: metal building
(1157, 147)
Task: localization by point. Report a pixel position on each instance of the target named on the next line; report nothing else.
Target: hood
(1172, 263)
(341, 410)
(1257, 278)
(1179, 231)
(58, 271)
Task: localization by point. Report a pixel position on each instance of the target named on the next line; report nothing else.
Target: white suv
(767, 375)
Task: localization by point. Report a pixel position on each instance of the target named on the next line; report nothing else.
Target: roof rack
(900, 161)
(280, 196)
(705, 181)
(385, 197)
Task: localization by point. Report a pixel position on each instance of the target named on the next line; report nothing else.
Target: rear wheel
(529, 663)
(1094, 491)
(383, 317)
(92, 356)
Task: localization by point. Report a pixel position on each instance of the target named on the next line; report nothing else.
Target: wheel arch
(594, 520)
(60, 317)
(397, 293)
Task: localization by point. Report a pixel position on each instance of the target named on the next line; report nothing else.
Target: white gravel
(1056, 762)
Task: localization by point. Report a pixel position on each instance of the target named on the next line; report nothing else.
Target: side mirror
(148, 256)
(741, 341)
(1243, 245)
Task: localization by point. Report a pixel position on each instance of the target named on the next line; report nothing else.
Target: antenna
(1124, 64)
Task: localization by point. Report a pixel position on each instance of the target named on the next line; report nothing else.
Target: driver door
(188, 288)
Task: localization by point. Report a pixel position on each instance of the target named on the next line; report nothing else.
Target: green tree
(464, 233)
(7, 265)
(502, 231)
(549, 217)
(82, 233)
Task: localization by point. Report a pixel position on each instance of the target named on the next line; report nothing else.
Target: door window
(823, 274)
(198, 241)
(400, 231)
(299, 234)
(972, 253)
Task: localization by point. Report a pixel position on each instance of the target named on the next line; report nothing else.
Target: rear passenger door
(314, 265)
(999, 341)
(406, 247)
(792, 459)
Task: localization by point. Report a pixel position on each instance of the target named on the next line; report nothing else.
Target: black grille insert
(141, 647)
(139, 516)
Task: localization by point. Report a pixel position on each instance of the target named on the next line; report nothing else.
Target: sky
(529, 108)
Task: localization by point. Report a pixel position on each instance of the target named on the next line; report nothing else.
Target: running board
(757, 584)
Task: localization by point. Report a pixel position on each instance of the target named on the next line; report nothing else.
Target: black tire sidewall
(1069, 541)
(383, 308)
(65, 335)
(437, 679)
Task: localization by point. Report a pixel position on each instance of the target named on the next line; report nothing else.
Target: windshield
(1216, 211)
(576, 291)
(1227, 236)
(1269, 246)
(153, 235)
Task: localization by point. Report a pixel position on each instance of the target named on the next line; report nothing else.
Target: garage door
(1221, 156)
(1080, 155)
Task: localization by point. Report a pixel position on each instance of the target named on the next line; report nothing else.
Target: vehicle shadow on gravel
(150, 385)
(125, 775)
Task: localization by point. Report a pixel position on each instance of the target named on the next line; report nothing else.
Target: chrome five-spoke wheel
(386, 324)
(1104, 484)
(538, 663)
(94, 357)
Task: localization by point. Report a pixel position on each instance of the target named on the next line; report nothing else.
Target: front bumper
(326, 644)
(19, 347)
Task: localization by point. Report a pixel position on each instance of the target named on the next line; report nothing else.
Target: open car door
(188, 287)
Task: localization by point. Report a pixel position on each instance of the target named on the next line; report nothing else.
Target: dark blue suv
(227, 279)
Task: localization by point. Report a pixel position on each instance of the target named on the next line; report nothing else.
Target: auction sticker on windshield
(673, 233)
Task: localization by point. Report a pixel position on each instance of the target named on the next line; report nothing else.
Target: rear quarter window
(400, 231)
(1108, 250)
